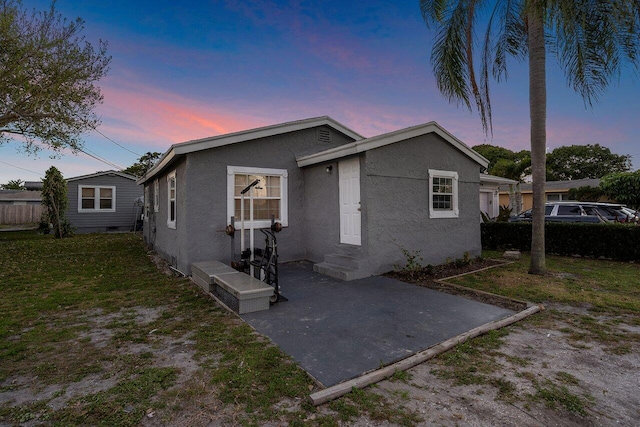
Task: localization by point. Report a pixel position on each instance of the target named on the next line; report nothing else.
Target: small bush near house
(505, 213)
(610, 241)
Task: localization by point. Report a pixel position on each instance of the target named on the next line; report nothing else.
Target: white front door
(484, 203)
(349, 175)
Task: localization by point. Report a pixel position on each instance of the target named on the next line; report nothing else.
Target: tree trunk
(538, 116)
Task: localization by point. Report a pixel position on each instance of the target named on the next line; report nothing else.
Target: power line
(18, 167)
(98, 158)
(84, 151)
(119, 145)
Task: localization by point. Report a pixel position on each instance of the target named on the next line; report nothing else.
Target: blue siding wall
(126, 210)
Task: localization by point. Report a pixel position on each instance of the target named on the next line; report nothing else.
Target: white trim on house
(112, 173)
(284, 206)
(492, 179)
(391, 138)
(172, 211)
(453, 211)
(96, 198)
(245, 135)
(156, 195)
(147, 203)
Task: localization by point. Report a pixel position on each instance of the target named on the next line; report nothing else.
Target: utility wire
(98, 158)
(119, 145)
(18, 167)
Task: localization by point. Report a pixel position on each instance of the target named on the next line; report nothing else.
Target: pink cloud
(147, 115)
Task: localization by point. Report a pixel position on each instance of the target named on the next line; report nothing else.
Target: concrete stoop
(345, 264)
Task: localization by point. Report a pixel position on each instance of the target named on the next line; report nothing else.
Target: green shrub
(613, 241)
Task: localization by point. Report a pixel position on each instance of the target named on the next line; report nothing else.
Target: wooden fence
(20, 214)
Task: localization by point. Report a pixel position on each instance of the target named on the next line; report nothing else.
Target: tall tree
(585, 161)
(48, 75)
(54, 199)
(623, 187)
(144, 163)
(504, 162)
(591, 39)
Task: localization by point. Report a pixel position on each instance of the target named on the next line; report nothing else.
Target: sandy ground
(609, 383)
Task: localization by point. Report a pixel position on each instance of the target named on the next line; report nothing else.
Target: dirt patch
(566, 366)
(454, 268)
(546, 371)
(166, 350)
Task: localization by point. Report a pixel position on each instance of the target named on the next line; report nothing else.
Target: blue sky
(186, 70)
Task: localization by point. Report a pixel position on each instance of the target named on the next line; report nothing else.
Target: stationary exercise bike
(266, 268)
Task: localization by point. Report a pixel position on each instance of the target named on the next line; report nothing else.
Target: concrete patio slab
(338, 330)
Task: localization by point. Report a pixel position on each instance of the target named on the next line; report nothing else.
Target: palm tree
(592, 40)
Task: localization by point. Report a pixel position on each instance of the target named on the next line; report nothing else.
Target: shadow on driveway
(338, 330)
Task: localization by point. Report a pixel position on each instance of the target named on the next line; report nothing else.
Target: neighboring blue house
(103, 201)
(349, 204)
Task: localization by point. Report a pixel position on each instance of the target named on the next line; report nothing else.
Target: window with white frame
(443, 200)
(171, 200)
(269, 196)
(96, 198)
(156, 195)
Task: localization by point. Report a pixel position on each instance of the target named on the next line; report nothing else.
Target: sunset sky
(187, 70)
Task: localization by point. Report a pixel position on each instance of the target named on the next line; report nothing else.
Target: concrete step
(350, 250)
(342, 260)
(338, 272)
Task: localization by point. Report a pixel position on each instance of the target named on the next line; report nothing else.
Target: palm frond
(505, 35)
(593, 40)
(449, 52)
(452, 55)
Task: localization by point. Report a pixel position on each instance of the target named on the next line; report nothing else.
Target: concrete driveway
(339, 330)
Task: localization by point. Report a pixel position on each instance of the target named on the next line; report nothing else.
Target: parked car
(609, 211)
(569, 212)
(632, 215)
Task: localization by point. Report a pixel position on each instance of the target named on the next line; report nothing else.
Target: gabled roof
(92, 175)
(563, 185)
(492, 179)
(21, 195)
(246, 135)
(391, 138)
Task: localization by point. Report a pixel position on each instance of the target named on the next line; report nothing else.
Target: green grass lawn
(95, 307)
(600, 285)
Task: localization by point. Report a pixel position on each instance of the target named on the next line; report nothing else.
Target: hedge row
(612, 241)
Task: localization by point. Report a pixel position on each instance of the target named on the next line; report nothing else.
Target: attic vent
(324, 136)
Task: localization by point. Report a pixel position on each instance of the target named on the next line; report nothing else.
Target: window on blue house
(96, 198)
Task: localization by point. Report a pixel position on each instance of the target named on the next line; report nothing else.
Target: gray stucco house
(103, 201)
(347, 203)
